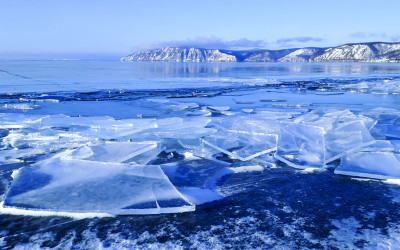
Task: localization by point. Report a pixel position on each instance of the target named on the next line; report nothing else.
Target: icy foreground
(166, 165)
(81, 186)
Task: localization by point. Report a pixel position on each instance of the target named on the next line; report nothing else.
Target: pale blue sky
(121, 26)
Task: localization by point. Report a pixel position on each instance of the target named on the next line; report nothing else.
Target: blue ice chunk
(301, 146)
(117, 152)
(188, 128)
(242, 138)
(377, 165)
(81, 186)
(345, 138)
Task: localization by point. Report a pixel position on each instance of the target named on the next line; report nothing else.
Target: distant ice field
(100, 154)
(49, 76)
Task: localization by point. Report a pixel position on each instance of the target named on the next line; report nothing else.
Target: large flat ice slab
(81, 186)
(377, 165)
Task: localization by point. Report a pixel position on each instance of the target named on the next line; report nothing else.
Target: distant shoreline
(354, 52)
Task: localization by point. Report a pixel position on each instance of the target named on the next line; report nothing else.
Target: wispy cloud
(210, 43)
(368, 35)
(375, 36)
(299, 39)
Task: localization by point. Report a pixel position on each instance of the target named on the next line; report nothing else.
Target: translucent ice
(81, 186)
(242, 138)
(168, 106)
(380, 146)
(344, 132)
(16, 155)
(242, 146)
(388, 124)
(378, 165)
(117, 152)
(345, 138)
(196, 179)
(301, 146)
(188, 128)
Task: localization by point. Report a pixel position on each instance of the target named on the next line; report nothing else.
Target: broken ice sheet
(102, 127)
(380, 146)
(17, 155)
(110, 129)
(377, 165)
(117, 152)
(243, 138)
(345, 138)
(195, 148)
(20, 106)
(188, 128)
(30, 143)
(200, 112)
(196, 179)
(241, 146)
(81, 186)
(388, 122)
(328, 118)
(344, 132)
(276, 114)
(167, 106)
(301, 146)
(17, 121)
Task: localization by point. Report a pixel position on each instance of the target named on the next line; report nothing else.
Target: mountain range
(354, 52)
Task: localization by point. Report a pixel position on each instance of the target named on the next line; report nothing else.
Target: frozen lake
(205, 155)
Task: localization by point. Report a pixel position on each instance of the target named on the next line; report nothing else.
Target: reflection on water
(47, 76)
(275, 69)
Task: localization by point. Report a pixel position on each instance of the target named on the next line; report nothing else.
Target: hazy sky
(121, 26)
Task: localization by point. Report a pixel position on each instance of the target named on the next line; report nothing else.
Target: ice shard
(188, 128)
(196, 178)
(346, 138)
(301, 146)
(388, 125)
(344, 132)
(243, 139)
(82, 186)
(117, 152)
(377, 165)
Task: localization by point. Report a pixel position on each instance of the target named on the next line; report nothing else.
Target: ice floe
(377, 165)
(99, 164)
(82, 186)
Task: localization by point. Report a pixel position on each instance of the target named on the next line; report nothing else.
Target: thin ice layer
(344, 132)
(241, 145)
(378, 165)
(345, 138)
(188, 128)
(81, 186)
(196, 179)
(242, 138)
(116, 152)
(301, 146)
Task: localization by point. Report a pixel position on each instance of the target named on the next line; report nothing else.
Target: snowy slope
(362, 52)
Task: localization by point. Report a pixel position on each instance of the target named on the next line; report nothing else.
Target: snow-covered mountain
(365, 52)
(181, 55)
(359, 52)
(301, 55)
